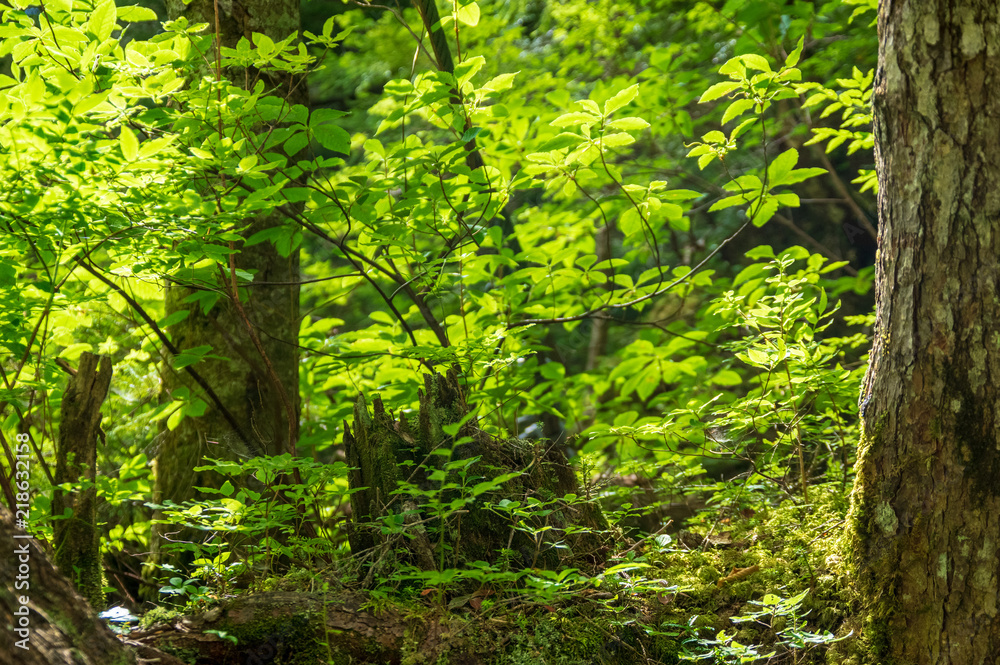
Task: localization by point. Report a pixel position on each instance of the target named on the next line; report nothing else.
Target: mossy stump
(406, 472)
(75, 535)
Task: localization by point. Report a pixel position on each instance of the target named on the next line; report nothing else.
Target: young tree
(926, 504)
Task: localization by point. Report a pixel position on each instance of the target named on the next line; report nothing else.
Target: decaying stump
(76, 537)
(390, 518)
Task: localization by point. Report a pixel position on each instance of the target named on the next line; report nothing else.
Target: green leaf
(575, 118)
(171, 319)
(734, 68)
(561, 140)
(754, 61)
(102, 21)
(761, 252)
(8, 274)
(130, 144)
(718, 90)
(617, 140)
(621, 99)
(175, 419)
(624, 567)
(331, 137)
(465, 70)
(727, 377)
(296, 143)
(471, 133)
(787, 199)
(196, 407)
(781, 166)
(793, 57)
(728, 202)
(737, 108)
(764, 211)
(468, 14)
(758, 357)
(630, 222)
(248, 162)
(89, 102)
(73, 351)
(264, 44)
(631, 124)
(501, 82)
(798, 175)
(745, 183)
(136, 13)
(190, 356)
(740, 128)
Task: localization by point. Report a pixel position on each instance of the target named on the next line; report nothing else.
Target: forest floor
(757, 585)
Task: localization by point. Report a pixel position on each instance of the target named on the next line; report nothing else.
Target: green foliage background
(663, 264)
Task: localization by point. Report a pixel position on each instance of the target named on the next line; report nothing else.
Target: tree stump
(75, 534)
(433, 490)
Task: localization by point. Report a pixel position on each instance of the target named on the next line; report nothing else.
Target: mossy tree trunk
(256, 401)
(433, 490)
(43, 621)
(74, 533)
(925, 515)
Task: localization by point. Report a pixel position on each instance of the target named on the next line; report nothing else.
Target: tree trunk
(394, 523)
(925, 517)
(243, 382)
(43, 621)
(76, 536)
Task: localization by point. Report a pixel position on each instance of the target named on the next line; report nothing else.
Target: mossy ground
(672, 607)
(726, 566)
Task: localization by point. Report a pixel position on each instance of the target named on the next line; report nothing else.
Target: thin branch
(589, 313)
(845, 195)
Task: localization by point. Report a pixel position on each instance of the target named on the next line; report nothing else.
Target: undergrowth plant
(258, 524)
(782, 619)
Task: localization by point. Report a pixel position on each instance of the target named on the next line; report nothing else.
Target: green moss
(296, 579)
(795, 547)
(866, 513)
(294, 638)
(159, 615)
(559, 640)
(186, 655)
(976, 445)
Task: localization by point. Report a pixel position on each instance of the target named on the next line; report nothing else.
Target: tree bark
(925, 517)
(43, 621)
(76, 537)
(244, 382)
